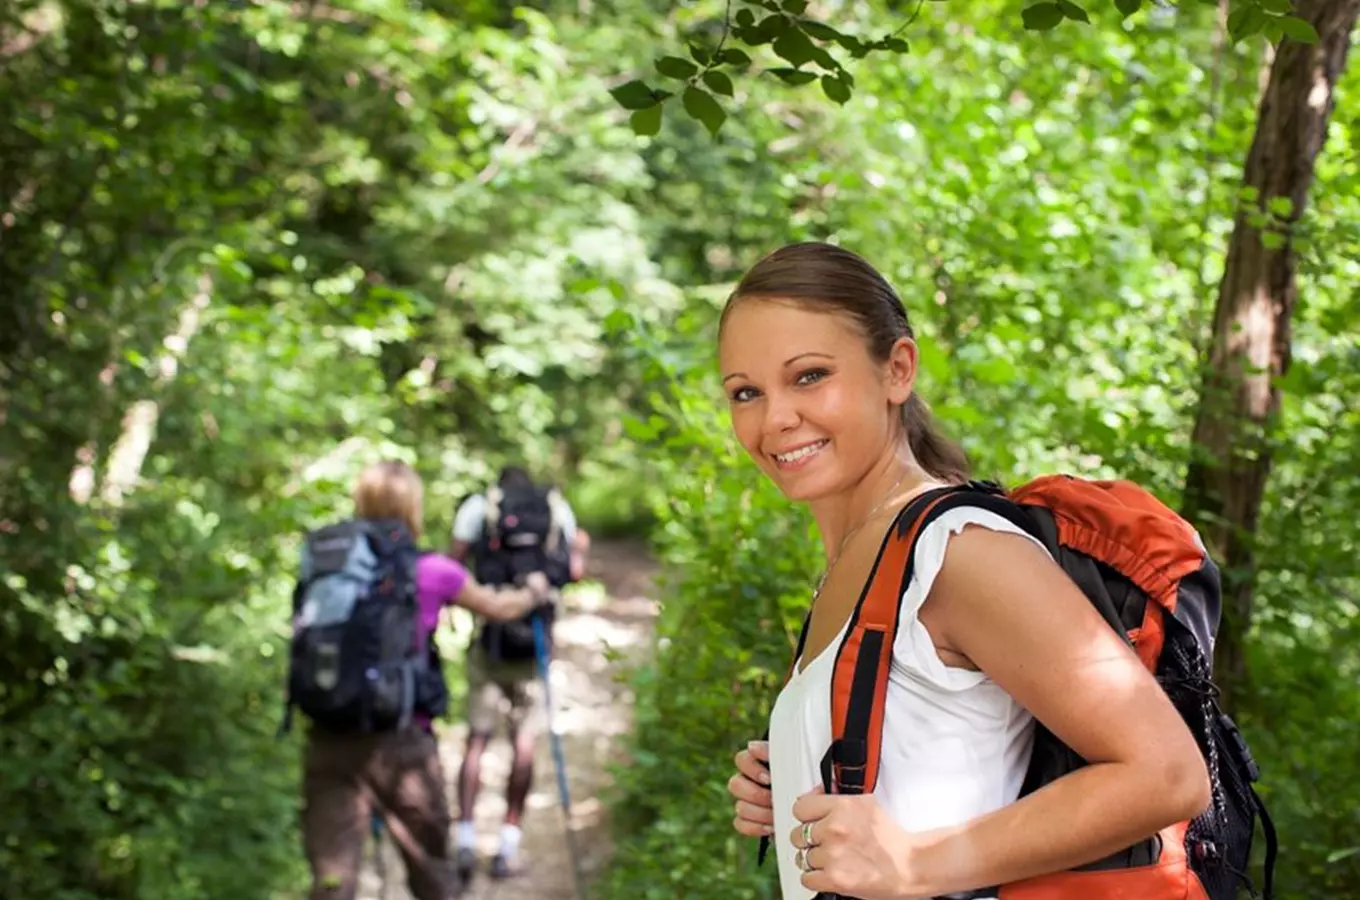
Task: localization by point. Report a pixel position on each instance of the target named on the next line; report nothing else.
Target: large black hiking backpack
(1146, 571)
(521, 533)
(358, 662)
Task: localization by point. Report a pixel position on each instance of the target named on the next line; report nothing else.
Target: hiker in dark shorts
(349, 774)
(512, 525)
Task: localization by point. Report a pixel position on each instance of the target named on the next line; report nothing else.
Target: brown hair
(825, 277)
(390, 490)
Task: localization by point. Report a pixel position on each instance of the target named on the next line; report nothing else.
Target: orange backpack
(1146, 571)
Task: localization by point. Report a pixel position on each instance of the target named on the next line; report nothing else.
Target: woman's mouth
(800, 456)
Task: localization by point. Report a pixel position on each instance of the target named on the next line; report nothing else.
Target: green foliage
(831, 44)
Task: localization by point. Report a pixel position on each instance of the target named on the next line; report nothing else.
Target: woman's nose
(781, 413)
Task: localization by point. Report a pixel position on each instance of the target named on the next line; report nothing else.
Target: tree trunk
(139, 422)
(1250, 345)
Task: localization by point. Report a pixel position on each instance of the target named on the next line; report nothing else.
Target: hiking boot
(466, 865)
(502, 867)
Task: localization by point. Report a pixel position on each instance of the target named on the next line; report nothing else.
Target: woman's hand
(538, 585)
(751, 788)
(856, 850)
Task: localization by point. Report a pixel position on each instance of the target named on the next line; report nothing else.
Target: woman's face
(809, 404)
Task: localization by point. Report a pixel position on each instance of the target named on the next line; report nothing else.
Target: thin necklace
(845, 540)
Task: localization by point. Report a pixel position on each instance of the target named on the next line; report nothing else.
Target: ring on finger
(804, 861)
(807, 835)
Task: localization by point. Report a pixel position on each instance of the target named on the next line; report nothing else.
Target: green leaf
(1245, 21)
(835, 89)
(1281, 206)
(1128, 7)
(699, 54)
(639, 431)
(793, 76)
(767, 29)
(1337, 855)
(795, 7)
(1272, 240)
(647, 121)
(735, 57)
(675, 67)
(1299, 30)
(633, 95)
(620, 320)
(854, 46)
(1276, 7)
(1041, 16)
(794, 46)
(933, 359)
(718, 83)
(822, 31)
(745, 18)
(1073, 11)
(701, 105)
(996, 370)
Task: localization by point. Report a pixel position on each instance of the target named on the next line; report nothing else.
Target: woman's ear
(901, 370)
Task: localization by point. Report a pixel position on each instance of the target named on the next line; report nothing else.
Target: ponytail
(935, 453)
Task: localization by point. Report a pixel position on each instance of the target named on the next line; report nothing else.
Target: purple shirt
(439, 581)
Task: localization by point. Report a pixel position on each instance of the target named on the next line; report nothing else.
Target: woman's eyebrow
(793, 359)
(788, 362)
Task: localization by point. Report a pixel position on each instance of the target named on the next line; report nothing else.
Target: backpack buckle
(844, 766)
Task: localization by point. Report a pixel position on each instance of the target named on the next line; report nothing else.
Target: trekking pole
(375, 823)
(559, 760)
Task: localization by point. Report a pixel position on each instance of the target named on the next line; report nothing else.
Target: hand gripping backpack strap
(859, 682)
(860, 678)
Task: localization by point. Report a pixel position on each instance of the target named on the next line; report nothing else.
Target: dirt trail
(591, 711)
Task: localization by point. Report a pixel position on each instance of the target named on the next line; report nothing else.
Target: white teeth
(800, 453)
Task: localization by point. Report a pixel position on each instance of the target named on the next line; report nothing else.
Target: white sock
(510, 835)
(467, 834)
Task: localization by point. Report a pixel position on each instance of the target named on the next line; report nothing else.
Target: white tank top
(955, 745)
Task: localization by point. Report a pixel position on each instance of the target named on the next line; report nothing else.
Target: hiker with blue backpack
(511, 527)
(996, 693)
(365, 671)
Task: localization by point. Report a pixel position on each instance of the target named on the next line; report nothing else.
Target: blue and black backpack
(358, 661)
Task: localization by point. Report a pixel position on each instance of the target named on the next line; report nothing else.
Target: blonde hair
(390, 490)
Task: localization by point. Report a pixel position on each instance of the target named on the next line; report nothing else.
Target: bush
(142, 760)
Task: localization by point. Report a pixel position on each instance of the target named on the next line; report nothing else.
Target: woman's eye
(812, 376)
(741, 395)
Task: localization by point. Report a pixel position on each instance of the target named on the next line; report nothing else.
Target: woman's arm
(454, 584)
(1007, 607)
(503, 604)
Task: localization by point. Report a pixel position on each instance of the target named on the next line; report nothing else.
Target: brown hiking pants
(345, 780)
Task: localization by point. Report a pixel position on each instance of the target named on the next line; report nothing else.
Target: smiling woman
(986, 635)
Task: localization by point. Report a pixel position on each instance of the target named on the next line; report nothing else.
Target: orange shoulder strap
(859, 682)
